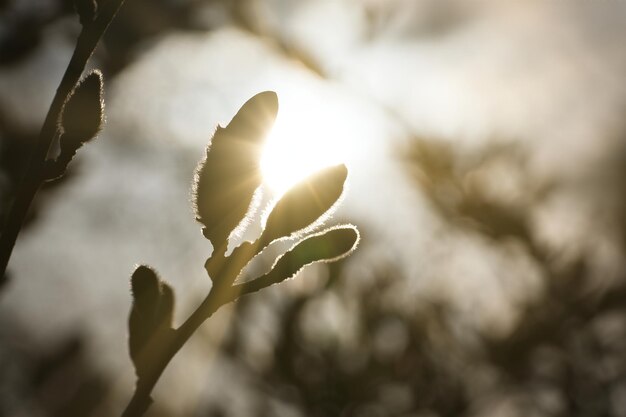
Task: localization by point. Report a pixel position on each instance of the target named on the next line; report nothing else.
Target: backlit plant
(224, 188)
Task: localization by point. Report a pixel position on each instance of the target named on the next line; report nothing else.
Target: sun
(299, 144)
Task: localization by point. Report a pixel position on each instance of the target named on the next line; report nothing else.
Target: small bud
(150, 318)
(83, 112)
(305, 204)
(327, 246)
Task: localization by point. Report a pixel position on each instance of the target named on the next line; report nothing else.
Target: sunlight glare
(299, 144)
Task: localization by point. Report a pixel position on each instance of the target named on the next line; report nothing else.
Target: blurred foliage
(59, 380)
(389, 368)
(565, 358)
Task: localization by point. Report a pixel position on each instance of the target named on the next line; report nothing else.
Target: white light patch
(304, 139)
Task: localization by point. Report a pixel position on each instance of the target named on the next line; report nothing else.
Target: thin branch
(33, 176)
(141, 399)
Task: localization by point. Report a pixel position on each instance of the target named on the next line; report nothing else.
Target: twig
(33, 176)
(141, 399)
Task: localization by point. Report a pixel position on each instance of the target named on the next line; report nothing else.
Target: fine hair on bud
(305, 205)
(83, 112)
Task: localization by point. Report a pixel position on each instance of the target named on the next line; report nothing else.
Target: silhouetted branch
(33, 176)
(224, 187)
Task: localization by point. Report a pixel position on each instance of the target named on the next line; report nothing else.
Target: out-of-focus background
(486, 142)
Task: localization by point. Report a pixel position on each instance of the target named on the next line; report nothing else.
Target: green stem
(32, 179)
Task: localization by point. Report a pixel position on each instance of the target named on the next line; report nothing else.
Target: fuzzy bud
(83, 112)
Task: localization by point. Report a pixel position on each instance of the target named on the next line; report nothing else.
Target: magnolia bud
(83, 112)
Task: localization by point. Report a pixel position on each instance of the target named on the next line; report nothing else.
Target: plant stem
(33, 178)
(141, 399)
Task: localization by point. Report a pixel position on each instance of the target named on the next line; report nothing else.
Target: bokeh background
(486, 142)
